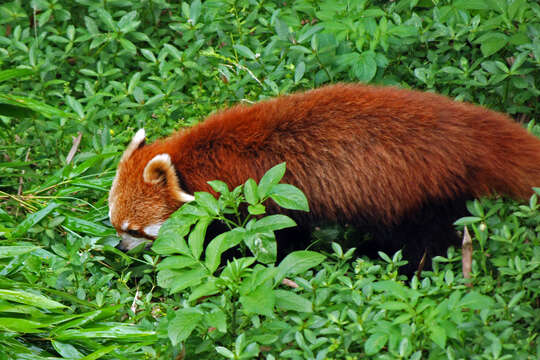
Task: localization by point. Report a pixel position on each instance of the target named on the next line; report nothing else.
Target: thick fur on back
(374, 157)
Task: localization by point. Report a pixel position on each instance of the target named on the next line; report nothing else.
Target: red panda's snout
(144, 193)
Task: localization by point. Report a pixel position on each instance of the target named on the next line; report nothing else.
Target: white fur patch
(139, 137)
(185, 197)
(129, 242)
(152, 230)
(125, 225)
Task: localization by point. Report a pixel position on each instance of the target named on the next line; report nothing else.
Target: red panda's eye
(135, 233)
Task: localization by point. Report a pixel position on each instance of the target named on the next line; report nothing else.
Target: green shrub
(104, 69)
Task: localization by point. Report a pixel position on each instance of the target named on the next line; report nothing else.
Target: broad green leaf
(375, 343)
(270, 179)
(14, 73)
(86, 227)
(197, 236)
(100, 353)
(297, 262)
(208, 287)
(272, 223)
(66, 350)
(250, 192)
(24, 297)
(476, 301)
(299, 71)
(118, 331)
(366, 67)
(11, 251)
(290, 301)
(220, 244)
(176, 262)
(438, 335)
(33, 219)
(289, 197)
(208, 202)
(183, 324)
(171, 236)
(35, 105)
(75, 105)
(178, 280)
(245, 51)
(21, 325)
(259, 301)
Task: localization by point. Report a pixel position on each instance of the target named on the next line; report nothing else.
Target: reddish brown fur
(361, 154)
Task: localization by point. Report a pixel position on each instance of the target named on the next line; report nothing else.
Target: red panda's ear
(136, 142)
(161, 170)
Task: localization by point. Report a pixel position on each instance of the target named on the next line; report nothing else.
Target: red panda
(398, 163)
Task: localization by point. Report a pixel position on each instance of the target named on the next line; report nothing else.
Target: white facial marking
(153, 229)
(125, 225)
(129, 242)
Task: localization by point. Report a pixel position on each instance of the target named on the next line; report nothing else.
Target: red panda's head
(144, 193)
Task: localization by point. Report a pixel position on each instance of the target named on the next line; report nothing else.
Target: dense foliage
(77, 78)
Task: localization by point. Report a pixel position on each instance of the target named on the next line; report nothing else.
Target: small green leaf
(269, 179)
(290, 301)
(297, 262)
(219, 244)
(27, 298)
(245, 51)
(289, 197)
(11, 251)
(33, 219)
(375, 343)
(273, 223)
(197, 236)
(259, 301)
(183, 324)
(250, 192)
(14, 73)
(299, 71)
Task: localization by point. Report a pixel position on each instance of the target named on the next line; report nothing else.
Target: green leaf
(14, 73)
(100, 352)
(366, 67)
(289, 197)
(183, 324)
(197, 236)
(270, 179)
(491, 42)
(21, 325)
(178, 280)
(476, 301)
(171, 236)
(27, 298)
(176, 262)
(438, 335)
(75, 105)
(220, 244)
(298, 262)
(299, 71)
(375, 343)
(33, 219)
(290, 301)
(273, 223)
(12, 251)
(245, 51)
(259, 301)
(250, 192)
(35, 105)
(208, 202)
(117, 331)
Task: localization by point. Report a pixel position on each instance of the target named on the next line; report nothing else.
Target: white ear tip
(139, 137)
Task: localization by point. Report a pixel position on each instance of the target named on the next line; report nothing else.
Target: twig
(466, 255)
(74, 147)
(19, 191)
